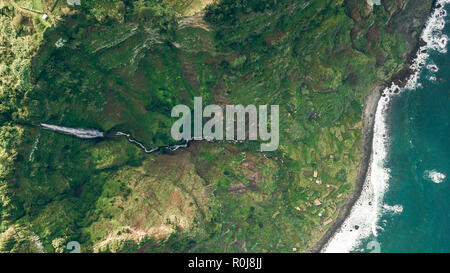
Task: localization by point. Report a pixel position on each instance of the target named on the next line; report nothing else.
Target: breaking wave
(366, 212)
(434, 176)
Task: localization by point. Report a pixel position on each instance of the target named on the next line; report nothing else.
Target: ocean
(416, 206)
(405, 205)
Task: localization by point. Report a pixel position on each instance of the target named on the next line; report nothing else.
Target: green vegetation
(124, 64)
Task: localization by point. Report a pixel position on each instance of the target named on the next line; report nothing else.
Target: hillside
(123, 65)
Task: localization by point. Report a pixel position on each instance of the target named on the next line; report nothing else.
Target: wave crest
(367, 210)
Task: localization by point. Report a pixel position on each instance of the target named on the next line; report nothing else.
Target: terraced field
(123, 65)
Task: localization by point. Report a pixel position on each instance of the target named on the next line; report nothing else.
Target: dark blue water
(420, 144)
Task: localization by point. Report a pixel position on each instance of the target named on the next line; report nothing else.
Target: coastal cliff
(415, 14)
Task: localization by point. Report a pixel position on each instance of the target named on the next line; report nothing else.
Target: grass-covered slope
(123, 65)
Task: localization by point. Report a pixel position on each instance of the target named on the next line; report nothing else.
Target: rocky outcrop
(410, 21)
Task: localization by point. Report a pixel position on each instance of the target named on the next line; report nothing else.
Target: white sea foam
(365, 214)
(395, 209)
(434, 176)
(433, 68)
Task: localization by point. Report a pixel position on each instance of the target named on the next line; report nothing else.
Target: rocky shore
(409, 22)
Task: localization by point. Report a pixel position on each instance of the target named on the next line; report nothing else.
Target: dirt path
(25, 10)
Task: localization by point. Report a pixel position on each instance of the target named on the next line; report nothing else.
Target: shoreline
(370, 108)
(371, 103)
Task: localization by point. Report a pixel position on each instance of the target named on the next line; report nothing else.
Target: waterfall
(77, 132)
